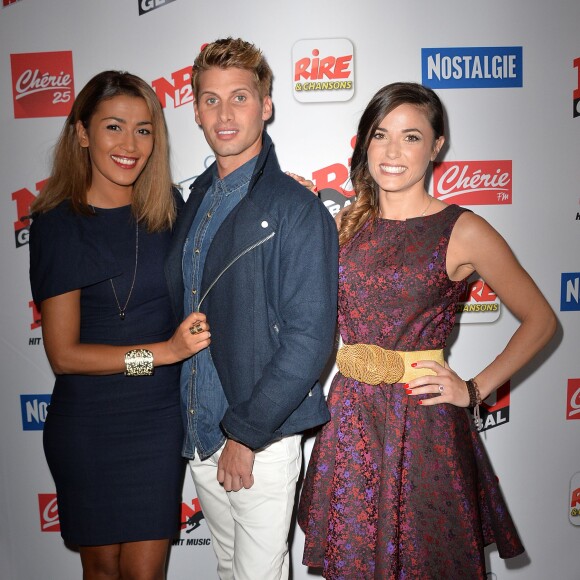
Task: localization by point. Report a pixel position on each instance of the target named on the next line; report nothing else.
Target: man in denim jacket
(258, 253)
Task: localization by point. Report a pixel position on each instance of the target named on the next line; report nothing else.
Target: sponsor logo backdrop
(511, 86)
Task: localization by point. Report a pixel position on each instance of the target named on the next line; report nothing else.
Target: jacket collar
(203, 182)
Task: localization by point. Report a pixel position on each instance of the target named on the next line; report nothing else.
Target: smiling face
(231, 113)
(119, 138)
(401, 149)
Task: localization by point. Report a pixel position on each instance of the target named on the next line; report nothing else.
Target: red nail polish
(420, 402)
(413, 364)
(406, 386)
(409, 391)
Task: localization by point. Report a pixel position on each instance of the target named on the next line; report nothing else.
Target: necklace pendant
(122, 315)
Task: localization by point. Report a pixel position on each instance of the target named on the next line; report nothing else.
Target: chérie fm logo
(42, 84)
(473, 182)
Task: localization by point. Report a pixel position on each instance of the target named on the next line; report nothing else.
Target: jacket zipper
(232, 262)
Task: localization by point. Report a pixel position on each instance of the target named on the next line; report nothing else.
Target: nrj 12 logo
(48, 510)
(24, 198)
(473, 182)
(178, 89)
(323, 70)
(42, 84)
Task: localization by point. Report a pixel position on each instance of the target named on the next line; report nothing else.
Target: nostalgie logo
(323, 70)
(146, 6)
(191, 519)
(480, 303)
(23, 199)
(42, 84)
(48, 510)
(573, 399)
(570, 291)
(576, 93)
(178, 89)
(33, 409)
(574, 512)
(472, 67)
(495, 410)
(473, 182)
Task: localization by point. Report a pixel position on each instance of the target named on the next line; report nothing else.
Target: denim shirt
(202, 395)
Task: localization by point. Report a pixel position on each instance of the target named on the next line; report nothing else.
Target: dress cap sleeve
(67, 252)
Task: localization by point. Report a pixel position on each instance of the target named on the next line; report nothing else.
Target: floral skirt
(398, 490)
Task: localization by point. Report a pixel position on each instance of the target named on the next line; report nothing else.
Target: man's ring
(196, 329)
(441, 388)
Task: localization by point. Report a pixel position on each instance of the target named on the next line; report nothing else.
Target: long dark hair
(384, 101)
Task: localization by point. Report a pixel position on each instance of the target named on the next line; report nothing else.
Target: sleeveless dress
(396, 490)
(112, 443)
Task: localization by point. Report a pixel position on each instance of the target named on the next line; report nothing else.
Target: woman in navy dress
(100, 228)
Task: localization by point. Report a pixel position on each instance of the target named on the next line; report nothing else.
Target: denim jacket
(269, 291)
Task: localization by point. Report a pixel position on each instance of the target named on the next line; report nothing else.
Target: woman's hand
(191, 336)
(303, 181)
(445, 383)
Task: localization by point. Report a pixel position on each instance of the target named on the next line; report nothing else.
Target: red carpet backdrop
(509, 76)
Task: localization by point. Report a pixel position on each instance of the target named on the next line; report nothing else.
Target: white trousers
(250, 527)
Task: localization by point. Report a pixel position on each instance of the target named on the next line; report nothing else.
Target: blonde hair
(152, 200)
(233, 53)
(366, 205)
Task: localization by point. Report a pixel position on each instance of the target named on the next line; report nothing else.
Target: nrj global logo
(473, 182)
(323, 70)
(495, 410)
(23, 199)
(573, 399)
(576, 93)
(146, 6)
(42, 84)
(472, 67)
(479, 304)
(574, 511)
(48, 510)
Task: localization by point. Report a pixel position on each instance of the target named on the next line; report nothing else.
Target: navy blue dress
(113, 443)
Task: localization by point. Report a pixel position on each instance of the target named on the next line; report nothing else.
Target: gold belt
(373, 365)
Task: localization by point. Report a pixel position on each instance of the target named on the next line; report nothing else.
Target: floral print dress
(394, 489)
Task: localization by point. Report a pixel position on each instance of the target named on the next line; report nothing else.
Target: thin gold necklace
(421, 214)
(122, 310)
(428, 206)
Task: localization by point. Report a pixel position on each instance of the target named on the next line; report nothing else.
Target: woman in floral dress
(399, 485)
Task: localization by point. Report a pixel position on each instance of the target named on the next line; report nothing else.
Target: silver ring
(196, 329)
(441, 388)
